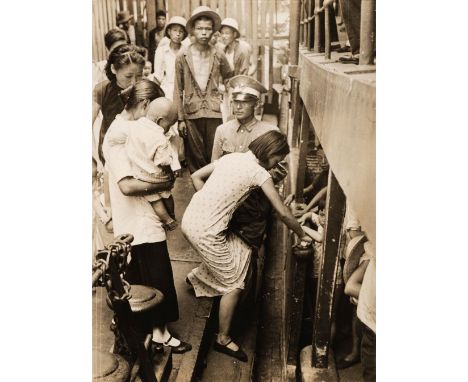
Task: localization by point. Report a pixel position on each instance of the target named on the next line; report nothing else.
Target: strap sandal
(239, 353)
(179, 349)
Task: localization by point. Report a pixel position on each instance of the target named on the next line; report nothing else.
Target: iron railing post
(367, 43)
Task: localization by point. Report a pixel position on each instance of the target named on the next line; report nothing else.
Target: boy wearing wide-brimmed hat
(124, 21)
(237, 51)
(198, 70)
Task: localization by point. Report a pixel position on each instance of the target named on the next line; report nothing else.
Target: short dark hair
(269, 144)
(143, 90)
(161, 12)
(114, 35)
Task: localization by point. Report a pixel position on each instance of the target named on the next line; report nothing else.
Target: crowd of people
(190, 101)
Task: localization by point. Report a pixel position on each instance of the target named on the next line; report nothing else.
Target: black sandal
(239, 353)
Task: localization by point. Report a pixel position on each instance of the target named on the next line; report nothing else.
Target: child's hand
(298, 209)
(182, 128)
(289, 199)
(303, 218)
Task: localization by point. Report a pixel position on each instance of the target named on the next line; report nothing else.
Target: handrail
(367, 40)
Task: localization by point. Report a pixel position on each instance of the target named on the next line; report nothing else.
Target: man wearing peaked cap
(235, 135)
(245, 88)
(198, 70)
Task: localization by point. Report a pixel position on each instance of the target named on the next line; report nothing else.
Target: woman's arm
(353, 286)
(321, 194)
(130, 186)
(318, 237)
(283, 212)
(200, 176)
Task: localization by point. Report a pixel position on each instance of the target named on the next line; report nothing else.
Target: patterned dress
(225, 257)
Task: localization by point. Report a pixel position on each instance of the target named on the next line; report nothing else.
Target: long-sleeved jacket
(190, 100)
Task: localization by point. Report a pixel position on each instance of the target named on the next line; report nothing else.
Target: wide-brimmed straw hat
(245, 88)
(123, 17)
(176, 20)
(231, 23)
(204, 11)
(353, 253)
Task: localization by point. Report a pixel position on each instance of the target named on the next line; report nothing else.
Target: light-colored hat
(176, 20)
(231, 23)
(204, 11)
(245, 88)
(123, 17)
(353, 253)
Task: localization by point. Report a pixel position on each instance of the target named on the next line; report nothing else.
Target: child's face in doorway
(321, 215)
(147, 69)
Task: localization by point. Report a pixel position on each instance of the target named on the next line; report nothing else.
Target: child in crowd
(164, 70)
(146, 145)
(147, 72)
(361, 288)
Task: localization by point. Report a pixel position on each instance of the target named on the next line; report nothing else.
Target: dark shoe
(239, 354)
(179, 349)
(343, 363)
(349, 60)
(344, 49)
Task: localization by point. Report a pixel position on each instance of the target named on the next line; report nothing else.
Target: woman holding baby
(132, 192)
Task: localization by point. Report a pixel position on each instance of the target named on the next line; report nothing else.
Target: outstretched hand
(289, 199)
(298, 209)
(182, 128)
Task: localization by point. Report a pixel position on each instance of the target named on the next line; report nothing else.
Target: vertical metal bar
(271, 11)
(367, 43)
(317, 29)
(310, 18)
(262, 42)
(327, 33)
(303, 146)
(301, 22)
(284, 112)
(305, 32)
(254, 9)
(139, 25)
(151, 14)
(95, 34)
(335, 208)
(297, 107)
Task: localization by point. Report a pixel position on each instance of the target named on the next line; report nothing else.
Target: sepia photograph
(233, 146)
(194, 190)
